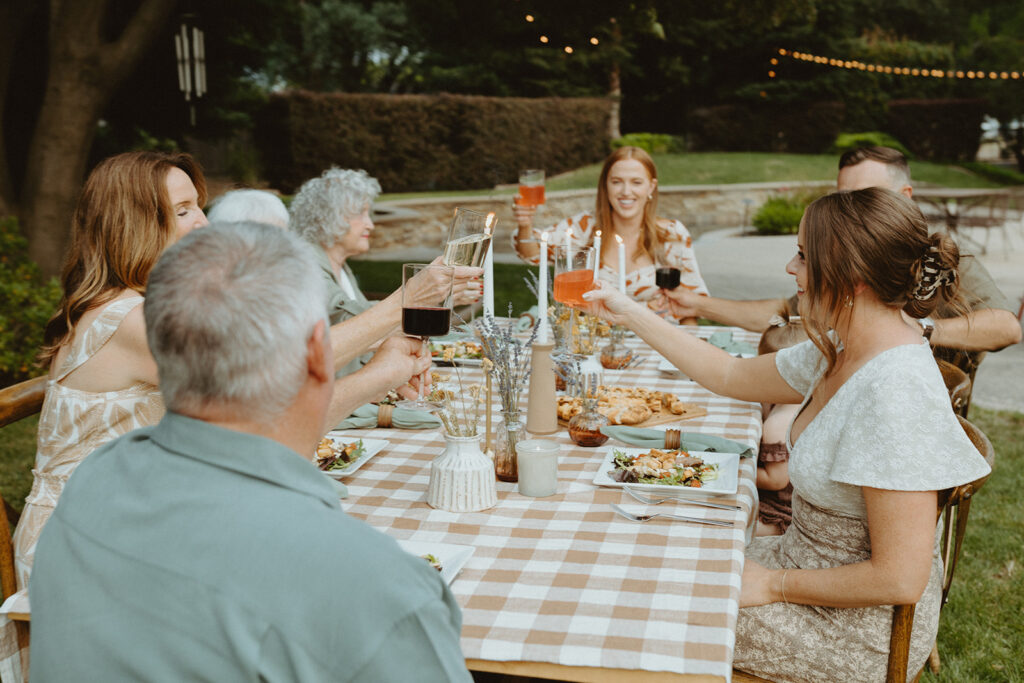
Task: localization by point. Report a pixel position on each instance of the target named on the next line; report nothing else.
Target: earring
(650, 196)
(849, 302)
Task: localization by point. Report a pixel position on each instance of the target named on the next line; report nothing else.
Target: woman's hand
(682, 303)
(758, 587)
(467, 291)
(611, 305)
(524, 214)
(429, 286)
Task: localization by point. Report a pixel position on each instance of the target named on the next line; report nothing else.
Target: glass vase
(585, 426)
(509, 432)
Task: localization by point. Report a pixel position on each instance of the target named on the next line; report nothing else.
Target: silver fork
(680, 518)
(690, 501)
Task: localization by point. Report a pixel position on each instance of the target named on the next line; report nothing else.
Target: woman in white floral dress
(627, 204)
(102, 378)
(874, 441)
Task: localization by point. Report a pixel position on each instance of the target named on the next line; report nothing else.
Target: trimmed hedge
(944, 130)
(767, 127)
(428, 142)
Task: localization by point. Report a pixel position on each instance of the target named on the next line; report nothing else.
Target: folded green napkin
(655, 438)
(365, 417)
(724, 341)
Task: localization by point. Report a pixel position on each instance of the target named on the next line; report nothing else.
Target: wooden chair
(17, 401)
(958, 384)
(954, 506)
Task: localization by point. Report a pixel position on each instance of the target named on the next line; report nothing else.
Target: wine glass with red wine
(426, 311)
(666, 278)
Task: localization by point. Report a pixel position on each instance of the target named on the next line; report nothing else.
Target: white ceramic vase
(462, 478)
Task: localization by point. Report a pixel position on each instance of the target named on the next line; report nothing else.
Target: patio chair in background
(953, 508)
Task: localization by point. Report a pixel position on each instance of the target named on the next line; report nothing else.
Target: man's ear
(907, 191)
(318, 353)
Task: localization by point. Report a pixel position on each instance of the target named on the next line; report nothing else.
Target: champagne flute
(426, 312)
(468, 238)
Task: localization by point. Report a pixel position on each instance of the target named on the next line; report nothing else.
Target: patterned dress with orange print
(676, 251)
(74, 423)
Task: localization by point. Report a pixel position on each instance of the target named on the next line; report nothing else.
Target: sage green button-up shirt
(188, 552)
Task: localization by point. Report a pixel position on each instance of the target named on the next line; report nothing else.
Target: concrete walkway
(737, 266)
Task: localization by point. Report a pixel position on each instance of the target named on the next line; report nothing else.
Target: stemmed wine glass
(468, 238)
(426, 312)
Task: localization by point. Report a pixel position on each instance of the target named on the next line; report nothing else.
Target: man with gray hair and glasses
(990, 325)
(209, 547)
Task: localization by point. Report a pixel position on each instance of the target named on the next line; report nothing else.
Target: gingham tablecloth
(563, 579)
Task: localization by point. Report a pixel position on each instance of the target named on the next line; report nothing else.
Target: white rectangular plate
(371, 448)
(726, 483)
(452, 557)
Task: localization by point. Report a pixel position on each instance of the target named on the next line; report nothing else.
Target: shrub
(428, 142)
(781, 215)
(847, 141)
(27, 300)
(942, 130)
(652, 143)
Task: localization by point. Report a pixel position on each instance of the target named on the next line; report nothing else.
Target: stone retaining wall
(412, 223)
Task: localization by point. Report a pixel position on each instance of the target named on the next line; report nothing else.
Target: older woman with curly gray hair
(332, 212)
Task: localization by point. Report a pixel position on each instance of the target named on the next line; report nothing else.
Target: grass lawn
(712, 168)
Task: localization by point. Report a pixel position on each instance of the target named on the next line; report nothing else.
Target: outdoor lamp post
(190, 48)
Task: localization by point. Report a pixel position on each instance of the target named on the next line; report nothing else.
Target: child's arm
(773, 476)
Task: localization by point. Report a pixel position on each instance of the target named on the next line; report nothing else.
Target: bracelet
(784, 587)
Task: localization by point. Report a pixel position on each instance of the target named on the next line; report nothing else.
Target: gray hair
(258, 206)
(323, 205)
(229, 311)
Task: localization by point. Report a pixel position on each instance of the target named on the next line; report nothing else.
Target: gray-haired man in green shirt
(208, 547)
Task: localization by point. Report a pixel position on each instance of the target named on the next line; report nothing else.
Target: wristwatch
(927, 327)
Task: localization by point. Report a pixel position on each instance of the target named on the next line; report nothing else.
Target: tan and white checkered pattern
(563, 579)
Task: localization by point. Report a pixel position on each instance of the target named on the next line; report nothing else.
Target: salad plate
(451, 558)
(370, 448)
(467, 352)
(724, 481)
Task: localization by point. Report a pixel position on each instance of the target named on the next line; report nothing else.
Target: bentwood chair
(954, 505)
(17, 401)
(958, 384)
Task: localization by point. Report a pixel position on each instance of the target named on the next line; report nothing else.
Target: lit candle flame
(598, 233)
(489, 223)
(618, 239)
(543, 237)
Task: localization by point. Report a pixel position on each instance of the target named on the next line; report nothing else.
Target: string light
(529, 17)
(568, 49)
(544, 39)
(594, 41)
(888, 69)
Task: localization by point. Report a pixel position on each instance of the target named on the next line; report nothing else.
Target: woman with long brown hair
(103, 381)
(627, 204)
(874, 440)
